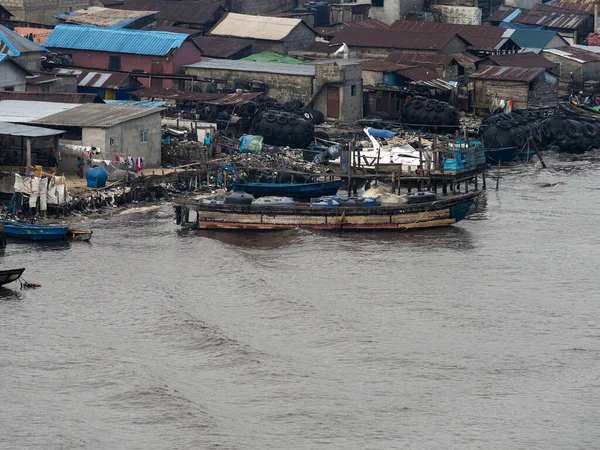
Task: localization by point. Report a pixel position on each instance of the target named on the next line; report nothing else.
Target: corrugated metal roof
(199, 12)
(251, 66)
(500, 16)
(588, 48)
(15, 129)
(104, 17)
(525, 60)
(136, 103)
(136, 42)
(481, 37)
(508, 73)
(465, 59)
(41, 79)
(423, 58)
(534, 38)
(221, 47)
(552, 17)
(383, 66)
(368, 23)
(573, 53)
(174, 94)
(15, 44)
(255, 27)
(95, 115)
(104, 80)
(24, 111)
(577, 5)
(418, 73)
(52, 97)
(397, 39)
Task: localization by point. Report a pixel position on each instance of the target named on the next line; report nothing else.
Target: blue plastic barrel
(96, 177)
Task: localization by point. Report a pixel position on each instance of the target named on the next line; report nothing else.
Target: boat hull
(8, 276)
(508, 154)
(79, 235)
(301, 190)
(32, 232)
(439, 213)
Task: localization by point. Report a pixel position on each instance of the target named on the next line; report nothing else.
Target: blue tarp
(386, 134)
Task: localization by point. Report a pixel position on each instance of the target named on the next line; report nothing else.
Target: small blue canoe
(299, 190)
(33, 232)
(508, 154)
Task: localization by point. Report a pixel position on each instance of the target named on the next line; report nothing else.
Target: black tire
(307, 116)
(436, 119)
(429, 107)
(293, 120)
(270, 116)
(416, 104)
(536, 135)
(572, 131)
(519, 139)
(438, 107)
(281, 119)
(589, 130)
(412, 117)
(558, 135)
(504, 126)
(267, 132)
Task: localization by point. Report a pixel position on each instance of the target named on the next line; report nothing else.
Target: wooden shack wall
(485, 90)
(543, 95)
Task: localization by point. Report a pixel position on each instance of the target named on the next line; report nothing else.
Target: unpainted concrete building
(581, 64)
(332, 87)
(389, 11)
(42, 11)
(13, 76)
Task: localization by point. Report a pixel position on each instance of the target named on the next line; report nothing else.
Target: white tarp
(51, 191)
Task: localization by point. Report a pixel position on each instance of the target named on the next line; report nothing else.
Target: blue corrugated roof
(137, 42)
(532, 38)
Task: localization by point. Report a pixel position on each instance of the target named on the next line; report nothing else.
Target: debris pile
(178, 153)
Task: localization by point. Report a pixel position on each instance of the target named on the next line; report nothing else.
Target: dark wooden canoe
(298, 190)
(8, 276)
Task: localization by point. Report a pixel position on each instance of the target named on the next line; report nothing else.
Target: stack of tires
(510, 130)
(571, 134)
(284, 128)
(430, 115)
(568, 134)
(293, 107)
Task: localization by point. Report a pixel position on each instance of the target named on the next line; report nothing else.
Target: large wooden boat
(441, 212)
(298, 190)
(509, 154)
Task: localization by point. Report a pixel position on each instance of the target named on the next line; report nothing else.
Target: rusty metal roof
(397, 39)
(96, 79)
(217, 99)
(499, 16)
(221, 47)
(576, 54)
(96, 116)
(54, 97)
(465, 59)
(503, 73)
(198, 12)
(368, 23)
(383, 66)
(423, 58)
(552, 17)
(576, 5)
(480, 37)
(525, 60)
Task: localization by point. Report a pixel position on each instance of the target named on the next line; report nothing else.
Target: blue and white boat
(34, 232)
(300, 190)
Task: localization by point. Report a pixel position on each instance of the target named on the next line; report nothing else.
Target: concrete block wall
(279, 87)
(260, 7)
(460, 15)
(11, 76)
(301, 38)
(393, 10)
(42, 11)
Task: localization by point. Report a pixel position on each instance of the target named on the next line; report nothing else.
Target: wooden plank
(294, 220)
(421, 217)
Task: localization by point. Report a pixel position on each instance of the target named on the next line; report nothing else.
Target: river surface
(484, 335)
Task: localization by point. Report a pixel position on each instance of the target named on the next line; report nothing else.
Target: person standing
(79, 167)
(208, 144)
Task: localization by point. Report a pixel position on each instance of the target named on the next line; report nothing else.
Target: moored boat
(79, 235)
(440, 212)
(10, 275)
(35, 232)
(297, 190)
(508, 154)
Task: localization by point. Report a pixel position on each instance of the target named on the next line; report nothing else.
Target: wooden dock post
(537, 152)
(498, 176)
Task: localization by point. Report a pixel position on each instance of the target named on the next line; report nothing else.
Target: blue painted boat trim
(300, 190)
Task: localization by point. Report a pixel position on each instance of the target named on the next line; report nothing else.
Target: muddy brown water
(485, 335)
